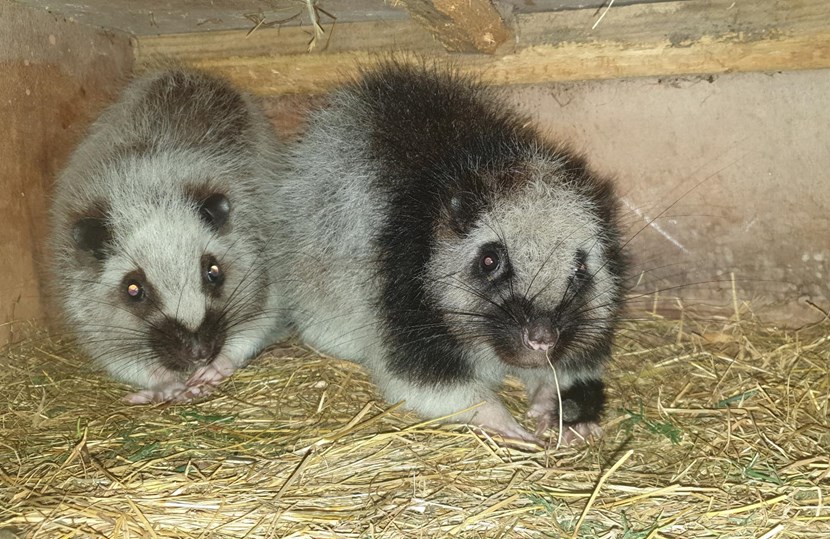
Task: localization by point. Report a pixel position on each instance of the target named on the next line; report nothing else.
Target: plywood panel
(56, 76)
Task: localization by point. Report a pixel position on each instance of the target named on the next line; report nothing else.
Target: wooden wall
(56, 76)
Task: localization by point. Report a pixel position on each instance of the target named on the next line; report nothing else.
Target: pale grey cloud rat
(159, 240)
(429, 233)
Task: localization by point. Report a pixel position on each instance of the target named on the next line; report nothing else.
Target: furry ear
(463, 208)
(215, 210)
(92, 234)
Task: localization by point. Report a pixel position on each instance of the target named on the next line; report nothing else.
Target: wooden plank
(461, 25)
(153, 17)
(199, 47)
(668, 38)
(680, 24)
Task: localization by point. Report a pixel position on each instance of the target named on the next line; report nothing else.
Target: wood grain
(57, 77)
(461, 25)
(655, 39)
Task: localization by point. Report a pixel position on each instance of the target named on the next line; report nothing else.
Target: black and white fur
(158, 235)
(431, 235)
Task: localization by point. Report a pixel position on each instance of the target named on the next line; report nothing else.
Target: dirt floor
(716, 427)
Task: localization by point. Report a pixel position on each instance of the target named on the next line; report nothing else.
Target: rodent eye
(213, 272)
(490, 261)
(580, 270)
(135, 291)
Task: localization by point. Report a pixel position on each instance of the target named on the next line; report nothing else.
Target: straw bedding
(715, 428)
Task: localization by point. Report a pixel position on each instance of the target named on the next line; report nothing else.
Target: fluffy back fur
(435, 237)
(167, 193)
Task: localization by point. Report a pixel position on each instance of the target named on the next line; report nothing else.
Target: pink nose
(539, 335)
(199, 348)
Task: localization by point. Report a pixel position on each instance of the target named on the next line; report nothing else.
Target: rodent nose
(200, 350)
(180, 348)
(540, 335)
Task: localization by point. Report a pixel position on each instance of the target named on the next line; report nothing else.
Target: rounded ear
(92, 234)
(214, 210)
(464, 208)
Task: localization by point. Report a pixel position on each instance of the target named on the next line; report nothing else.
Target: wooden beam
(461, 25)
(275, 61)
(292, 41)
(670, 38)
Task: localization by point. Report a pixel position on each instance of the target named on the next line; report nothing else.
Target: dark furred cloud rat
(430, 234)
(159, 238)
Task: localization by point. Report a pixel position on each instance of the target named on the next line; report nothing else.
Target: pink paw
(546, 417)
(175, 393)
(212, 374)
(579, 433)
(160, 393)
(200, 384)
(494, 418)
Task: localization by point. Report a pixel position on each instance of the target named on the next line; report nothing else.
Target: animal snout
(540, 335)
(199, 349)
(179, 348)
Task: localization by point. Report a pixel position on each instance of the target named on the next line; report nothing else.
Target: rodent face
(531, 278)
(166, 294)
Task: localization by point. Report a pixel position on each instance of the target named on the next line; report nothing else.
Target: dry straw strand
(716, 426)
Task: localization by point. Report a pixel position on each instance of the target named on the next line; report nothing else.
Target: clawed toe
(177, 393)
(574, 434)
(163, 393)
(145, 396)
(211, 375)
(511, 437)
(193, 392)
(579, 433)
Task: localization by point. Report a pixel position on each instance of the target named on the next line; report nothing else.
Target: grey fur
(337, 204)
(171, 139)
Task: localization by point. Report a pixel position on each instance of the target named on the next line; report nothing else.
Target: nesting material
(715, 428)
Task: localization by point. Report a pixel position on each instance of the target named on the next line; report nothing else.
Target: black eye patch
(580, 268)
(92, 234)
(137, 292)
(213, 275)
(492, 262)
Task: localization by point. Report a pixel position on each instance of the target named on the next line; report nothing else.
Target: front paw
(546, 417)
(161, 393)
(201, 384)
(494, 418)
(580, 433)
(212, 374)
(543, 418)
(177, 393)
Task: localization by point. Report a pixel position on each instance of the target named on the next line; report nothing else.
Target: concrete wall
(737, 168)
